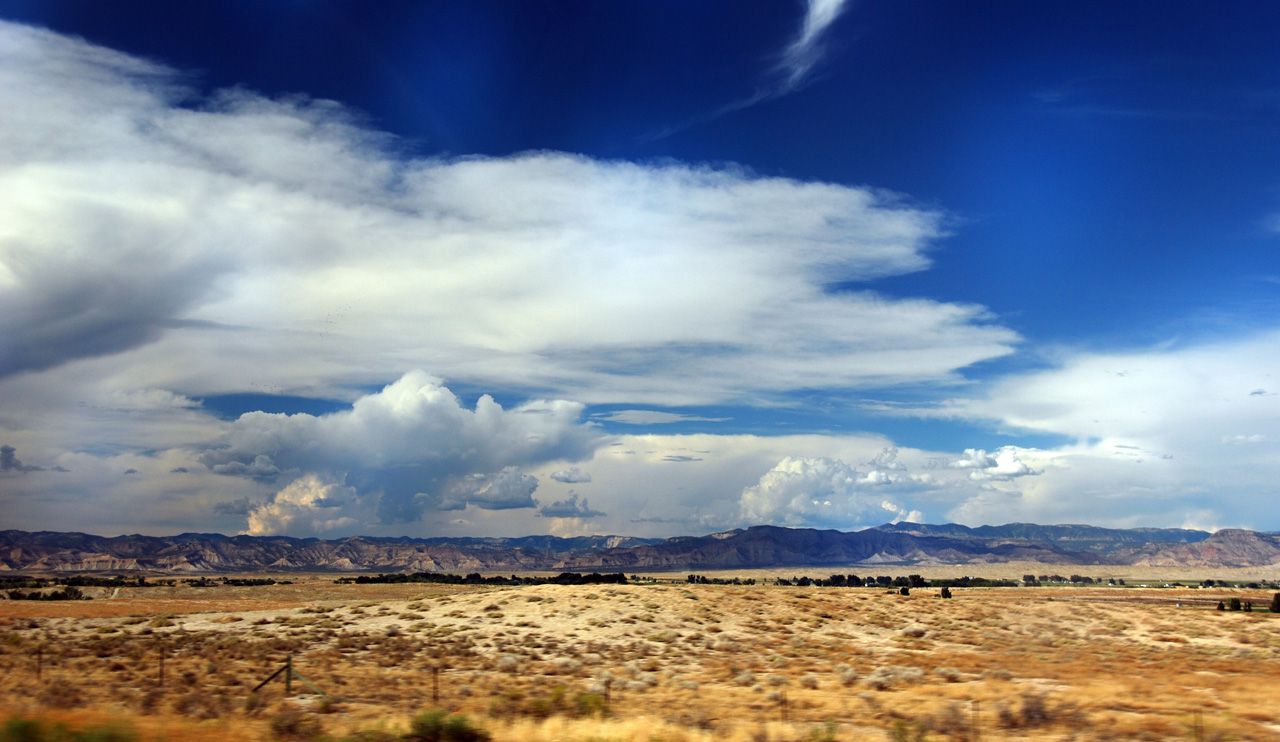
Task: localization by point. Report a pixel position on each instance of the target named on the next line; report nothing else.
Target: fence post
(783, 703)
(435, 686)
(288, 675)
(39, 660)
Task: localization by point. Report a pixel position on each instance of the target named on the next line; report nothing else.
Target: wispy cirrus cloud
(652, 417)
(792, 70)
(807, 50)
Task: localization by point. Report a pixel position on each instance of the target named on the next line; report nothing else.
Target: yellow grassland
(680, 662)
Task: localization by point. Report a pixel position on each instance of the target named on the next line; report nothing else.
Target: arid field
(649, 661)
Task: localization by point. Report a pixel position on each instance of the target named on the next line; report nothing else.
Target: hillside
(756, 547)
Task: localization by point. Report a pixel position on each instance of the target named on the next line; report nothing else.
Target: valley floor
(642, 662)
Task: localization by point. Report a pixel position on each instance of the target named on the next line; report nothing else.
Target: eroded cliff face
(1227, 548)
(757, 547)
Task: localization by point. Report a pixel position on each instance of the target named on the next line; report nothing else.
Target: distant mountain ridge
(756, 547)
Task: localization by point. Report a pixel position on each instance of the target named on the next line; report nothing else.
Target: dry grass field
(646, 662)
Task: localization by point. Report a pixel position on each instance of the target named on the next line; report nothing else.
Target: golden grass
(677, 662)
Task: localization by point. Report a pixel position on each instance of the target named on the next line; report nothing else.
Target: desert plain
(657, 659)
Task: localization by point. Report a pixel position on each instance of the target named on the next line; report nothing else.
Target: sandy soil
(668, 661)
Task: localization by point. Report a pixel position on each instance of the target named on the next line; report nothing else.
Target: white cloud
(813, 491)
(652, 417)
(806, 51)
(572, 475)
(274, 242)
(570, 508)
(1002, 465)
(508, 489)
(414, 446)
(1175, 433)
(887, 460)
(309, 506)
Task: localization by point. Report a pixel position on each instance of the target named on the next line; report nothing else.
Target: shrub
(590, 704)
(1233, 604)
(945, 593)
(25, 730)
(441, 726)
(949, 674)
(113, 732)
(18, 729)
(1275, 603)
(293, 724)
(884, 677)
(1036, 712)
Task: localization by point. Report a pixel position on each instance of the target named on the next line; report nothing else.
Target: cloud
(571, 508)
(887, 460)
(9, 461)
(1004, 464)
(573, 475)
(413, 446)
(795, 63)
(279, 242)
(1172, 432)
(309, 506)
(508, 489)
(804, 491)
(652, 417)
(260, 467)
(806, 51)
(242, 506)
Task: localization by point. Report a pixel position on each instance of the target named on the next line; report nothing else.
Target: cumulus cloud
(802, 491)
(887, 460)
(243, 235)
(572, 475)
(901, 514)
(1004, 464)
(413, 445)
(571, 508)
(1172, 432)
(509, 489)
(260, 467)
(308, 506)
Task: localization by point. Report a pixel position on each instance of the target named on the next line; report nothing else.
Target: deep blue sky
(1102, 179)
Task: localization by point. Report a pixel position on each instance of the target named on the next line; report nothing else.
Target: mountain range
(756, 547)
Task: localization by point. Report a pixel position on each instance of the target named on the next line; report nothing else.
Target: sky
(637, 267)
